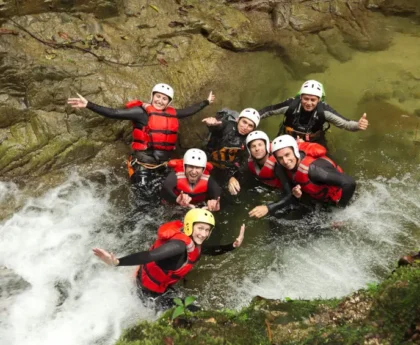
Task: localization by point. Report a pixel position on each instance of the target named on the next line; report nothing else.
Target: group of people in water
(296, 163)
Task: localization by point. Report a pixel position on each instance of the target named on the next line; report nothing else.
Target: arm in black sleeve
(218, 128)
(213, 189)
(323, 172)
(217, 249)
(192, 109)
(165, 251)
(276, 109)
(288, 197)
(167, 192)
(136, 114)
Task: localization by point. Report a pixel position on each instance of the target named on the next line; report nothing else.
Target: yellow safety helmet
(197, 215)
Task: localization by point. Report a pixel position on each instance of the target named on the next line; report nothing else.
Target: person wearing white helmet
(312, 172)
(173, 255)
(308, 116)
(227, 152)
(190, 182)
(155, 126)
(261, 162)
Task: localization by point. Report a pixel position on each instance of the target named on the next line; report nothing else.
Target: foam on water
(73, 298)
(381, 225)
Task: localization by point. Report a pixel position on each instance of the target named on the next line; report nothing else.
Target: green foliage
(189, 300)
(380, 314)
(181, 308)
(372, 288)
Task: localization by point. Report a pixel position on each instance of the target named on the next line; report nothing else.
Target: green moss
(381, 314)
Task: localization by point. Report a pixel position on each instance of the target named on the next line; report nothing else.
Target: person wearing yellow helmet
(177, 249)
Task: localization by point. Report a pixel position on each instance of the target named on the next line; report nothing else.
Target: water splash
(72, 298)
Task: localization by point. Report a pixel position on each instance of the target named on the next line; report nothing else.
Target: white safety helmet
(195, 157)
(165, 89)
(251, 114)
(257, 135)
(312, 87)
(285, 141)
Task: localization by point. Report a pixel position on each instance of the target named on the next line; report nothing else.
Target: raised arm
(215, 250)
(165, 251)
(195, 108)
(332, 116)
(136, 114)
(276, 109)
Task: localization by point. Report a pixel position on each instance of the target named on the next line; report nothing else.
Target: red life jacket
(266, 173)
(161, 132)
(324, 193)
(199, 192)
(155, 279)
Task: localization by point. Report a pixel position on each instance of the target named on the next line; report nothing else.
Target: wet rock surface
(114, 51)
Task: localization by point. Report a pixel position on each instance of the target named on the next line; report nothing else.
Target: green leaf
(177, 312)
(189, 300)
(288, 299)
(178, 301)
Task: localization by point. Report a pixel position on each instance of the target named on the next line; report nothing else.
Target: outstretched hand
(108, 258)
(211, 121)
(240, 238)
(80, 102)
(259, 211)
(363, 122)
(211, 97)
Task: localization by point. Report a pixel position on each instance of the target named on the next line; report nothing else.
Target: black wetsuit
(309, 122)
(168, 194)
(320, 172)
(170, 256)
(140, 119)
(226, 135)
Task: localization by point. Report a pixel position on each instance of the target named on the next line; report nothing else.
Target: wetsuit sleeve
(323, 172)
(167, 192)
(192, 109)
(136, 114)
(213, 189)
(217, 249)
(339, 121)
(165, 251)
(288, 197)
(276, 109)
(218, 128)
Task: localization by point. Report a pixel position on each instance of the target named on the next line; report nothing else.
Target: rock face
(112, 51)
(388, 313)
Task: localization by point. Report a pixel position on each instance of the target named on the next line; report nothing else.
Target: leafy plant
(181, 306)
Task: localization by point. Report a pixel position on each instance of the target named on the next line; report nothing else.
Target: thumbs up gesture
(363, 122)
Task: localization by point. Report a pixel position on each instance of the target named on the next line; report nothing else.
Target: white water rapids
(70, 297)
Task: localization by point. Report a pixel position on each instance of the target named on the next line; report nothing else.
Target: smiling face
(245, 126)
(286, 157)
(258, 149)
(160, 101)
(309, 102)
(201, 231)
(193, 173)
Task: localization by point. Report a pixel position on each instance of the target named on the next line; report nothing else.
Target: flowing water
(56, 291)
